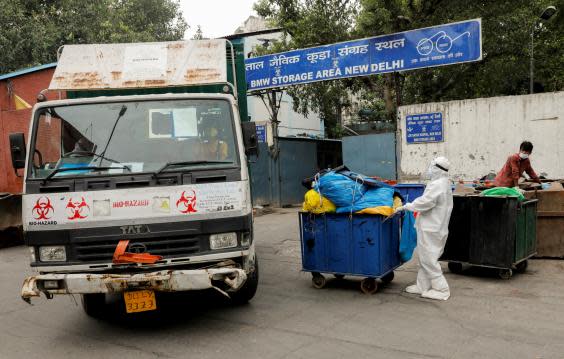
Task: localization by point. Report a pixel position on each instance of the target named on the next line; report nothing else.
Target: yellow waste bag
(397, 202)
(383, 210)
(316, 203)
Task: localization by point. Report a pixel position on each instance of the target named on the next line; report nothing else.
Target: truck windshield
(132, 137)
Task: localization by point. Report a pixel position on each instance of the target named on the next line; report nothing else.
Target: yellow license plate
(140, 301)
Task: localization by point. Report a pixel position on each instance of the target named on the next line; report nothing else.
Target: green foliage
(506, 27)
(32, 31)
(311, 23)
(199, 34)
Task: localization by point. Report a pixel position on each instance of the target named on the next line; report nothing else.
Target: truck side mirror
(250, 138)
(17, 149)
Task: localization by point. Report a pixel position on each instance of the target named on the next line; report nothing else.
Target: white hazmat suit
(434, 208)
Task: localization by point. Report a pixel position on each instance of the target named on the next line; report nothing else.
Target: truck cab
(138, 183)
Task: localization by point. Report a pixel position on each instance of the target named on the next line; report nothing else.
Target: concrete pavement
(486, 317)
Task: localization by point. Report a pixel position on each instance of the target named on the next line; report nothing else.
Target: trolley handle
(527, 203)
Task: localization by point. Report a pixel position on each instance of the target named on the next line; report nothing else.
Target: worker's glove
(399, 209)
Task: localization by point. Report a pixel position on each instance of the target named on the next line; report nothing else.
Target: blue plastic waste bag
(373, 197)
(340, 189)
(370, 182)
(408, 240)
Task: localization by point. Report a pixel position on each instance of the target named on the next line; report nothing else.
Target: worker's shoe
(413, 289)
(435, 294)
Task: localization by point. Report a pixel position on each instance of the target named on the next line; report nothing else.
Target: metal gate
(371, 155)
(261, 177)
(297, 160)
(278, 181)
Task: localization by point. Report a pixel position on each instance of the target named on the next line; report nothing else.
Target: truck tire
(94, 305)
(248, 290)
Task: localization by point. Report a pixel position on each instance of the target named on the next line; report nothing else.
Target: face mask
(523, 156)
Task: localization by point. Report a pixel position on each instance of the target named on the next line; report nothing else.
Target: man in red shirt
(514, 167)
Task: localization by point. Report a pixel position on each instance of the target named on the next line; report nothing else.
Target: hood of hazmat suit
(434, 208)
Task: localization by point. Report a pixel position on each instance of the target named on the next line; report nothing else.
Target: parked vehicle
(137, 182)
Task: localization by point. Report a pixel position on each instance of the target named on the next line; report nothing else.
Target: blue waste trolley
(410, 191)
(358, 245)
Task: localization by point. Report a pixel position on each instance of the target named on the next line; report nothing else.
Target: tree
(32, 31)
(199, 34)
(506, 27)
(310, 23)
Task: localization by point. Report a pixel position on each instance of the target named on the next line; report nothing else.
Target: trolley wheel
(368, 286)
(318, 280)
(388, 277)
(505, 273)
(339, 276)
(455, 267)
(522, 266)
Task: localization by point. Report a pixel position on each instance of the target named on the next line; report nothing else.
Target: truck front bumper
(161, 281)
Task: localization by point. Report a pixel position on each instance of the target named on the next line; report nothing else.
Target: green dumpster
(496, 232)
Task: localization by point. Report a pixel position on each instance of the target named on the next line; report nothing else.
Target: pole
(398, 90)
(531, 66)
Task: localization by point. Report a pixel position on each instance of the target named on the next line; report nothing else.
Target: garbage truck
(136, 179)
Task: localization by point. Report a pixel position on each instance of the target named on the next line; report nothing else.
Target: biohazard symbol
(42, 209)
(187, 204)
(77, 209)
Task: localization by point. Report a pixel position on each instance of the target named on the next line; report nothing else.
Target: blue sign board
(261, 133)
(433, 46)
(425, 127)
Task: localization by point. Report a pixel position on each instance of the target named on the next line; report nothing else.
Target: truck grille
(103, 250)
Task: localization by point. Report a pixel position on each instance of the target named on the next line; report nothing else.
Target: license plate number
(139, 301)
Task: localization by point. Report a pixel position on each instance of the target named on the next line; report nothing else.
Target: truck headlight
(52, 254)
(223, 240)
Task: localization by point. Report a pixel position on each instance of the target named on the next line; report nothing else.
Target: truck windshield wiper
(89, 153)
(187, 163)
(120, 115)
(82, 168)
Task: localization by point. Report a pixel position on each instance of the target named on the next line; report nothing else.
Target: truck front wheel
(94, 304)
(248, 290)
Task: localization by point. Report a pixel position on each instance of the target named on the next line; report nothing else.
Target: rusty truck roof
(141, 65)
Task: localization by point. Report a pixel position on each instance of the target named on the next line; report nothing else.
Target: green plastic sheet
(503, 191)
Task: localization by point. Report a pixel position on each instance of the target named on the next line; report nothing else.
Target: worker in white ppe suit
(434, 208)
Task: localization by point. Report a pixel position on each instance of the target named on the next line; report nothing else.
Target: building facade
(18, 94)
(478, 135)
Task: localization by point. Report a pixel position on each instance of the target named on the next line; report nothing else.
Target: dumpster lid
(141, 65)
